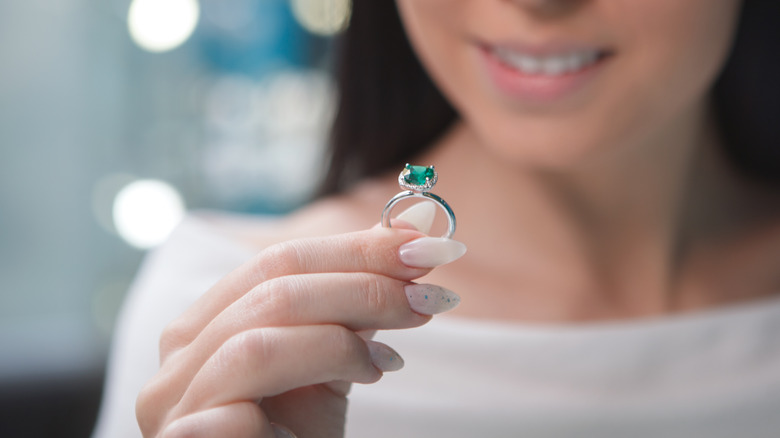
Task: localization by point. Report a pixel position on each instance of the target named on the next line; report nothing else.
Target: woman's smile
(541, 73)
(557, 90)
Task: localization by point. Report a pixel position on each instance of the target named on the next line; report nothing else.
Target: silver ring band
(417, 193)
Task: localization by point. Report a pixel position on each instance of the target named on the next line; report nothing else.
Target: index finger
(402, 254)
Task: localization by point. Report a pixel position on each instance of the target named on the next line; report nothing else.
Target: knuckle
(176, 335)
(374, 294)
(145, 401)
(347, 345)
(383, 299)
(236, 419)
(148, 409)
(279, 259)
(247, 345)
(273, 301)
(353, 355)
(182, 428)
(275, 296)
(365, 250)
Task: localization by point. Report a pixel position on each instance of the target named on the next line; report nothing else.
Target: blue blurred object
(251, 37)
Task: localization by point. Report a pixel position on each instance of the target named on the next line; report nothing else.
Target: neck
(608, 232)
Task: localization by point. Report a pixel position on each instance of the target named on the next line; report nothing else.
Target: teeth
(548, 65)
(555, 66)
(527, 63)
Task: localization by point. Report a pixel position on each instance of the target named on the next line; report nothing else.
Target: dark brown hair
(389, 109)
(747, 93)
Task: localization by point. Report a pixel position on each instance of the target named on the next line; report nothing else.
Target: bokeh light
(323, 17)
(103, 194)
(146, 211)
(162, 25)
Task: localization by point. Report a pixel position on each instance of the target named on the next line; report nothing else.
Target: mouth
(542, 74)
(552, 65)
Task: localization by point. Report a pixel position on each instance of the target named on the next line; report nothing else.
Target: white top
(713, 373)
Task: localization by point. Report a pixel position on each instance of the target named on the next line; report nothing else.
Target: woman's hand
(280, 339)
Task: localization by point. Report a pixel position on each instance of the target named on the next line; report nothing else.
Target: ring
(418, 182)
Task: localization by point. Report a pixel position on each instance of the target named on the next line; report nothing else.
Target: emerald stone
(417, 175)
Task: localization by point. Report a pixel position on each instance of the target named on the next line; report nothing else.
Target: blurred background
(116, 117)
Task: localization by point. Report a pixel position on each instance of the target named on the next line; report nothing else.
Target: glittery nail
(430, 299)
(384, 357)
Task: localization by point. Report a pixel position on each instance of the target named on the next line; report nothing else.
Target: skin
(597, 199)
(283, 330)
(583, 220)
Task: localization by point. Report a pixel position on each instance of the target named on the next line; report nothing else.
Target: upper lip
(545, 49)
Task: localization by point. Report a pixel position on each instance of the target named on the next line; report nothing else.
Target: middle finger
(358, 301)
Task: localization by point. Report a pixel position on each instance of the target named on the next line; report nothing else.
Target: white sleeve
(170, 279)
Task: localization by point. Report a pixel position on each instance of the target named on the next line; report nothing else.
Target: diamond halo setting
(418, 178)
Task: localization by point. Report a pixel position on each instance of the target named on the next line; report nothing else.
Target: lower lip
(537, 88)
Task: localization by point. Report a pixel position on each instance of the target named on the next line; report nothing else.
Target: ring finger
(265, 362)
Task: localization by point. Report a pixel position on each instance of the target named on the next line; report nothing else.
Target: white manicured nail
(429, 252)
(281, 431)
(384, 357)
(420, 215)
(430, 299)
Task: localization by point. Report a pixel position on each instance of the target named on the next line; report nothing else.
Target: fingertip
(383, 357)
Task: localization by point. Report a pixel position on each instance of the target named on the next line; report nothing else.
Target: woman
(623, 243)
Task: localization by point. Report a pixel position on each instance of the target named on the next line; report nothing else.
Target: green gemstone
(417, 175)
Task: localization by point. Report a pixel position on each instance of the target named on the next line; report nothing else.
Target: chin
(548, 149)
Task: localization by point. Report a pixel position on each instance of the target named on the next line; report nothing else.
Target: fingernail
(281, 431)
(429, 252)
(420, 215)
(384, 357)
(430, 299)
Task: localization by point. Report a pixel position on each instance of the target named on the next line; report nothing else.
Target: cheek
(435, 28)
(673, 49)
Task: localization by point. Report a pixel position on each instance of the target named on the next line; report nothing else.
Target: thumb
(417, 217)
